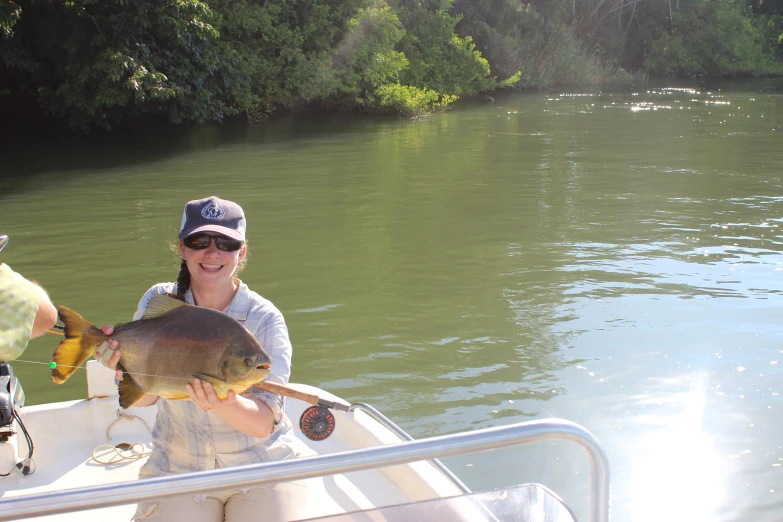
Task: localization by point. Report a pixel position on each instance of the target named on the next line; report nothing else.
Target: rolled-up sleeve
(272, 335)
(18, 307)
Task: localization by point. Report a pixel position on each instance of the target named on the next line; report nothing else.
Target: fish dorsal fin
(161, 304)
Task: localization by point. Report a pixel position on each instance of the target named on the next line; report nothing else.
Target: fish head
(245, 363)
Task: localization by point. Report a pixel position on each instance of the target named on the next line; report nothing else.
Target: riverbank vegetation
(93, 63)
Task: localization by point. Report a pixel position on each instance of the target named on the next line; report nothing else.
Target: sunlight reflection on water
(678, 474)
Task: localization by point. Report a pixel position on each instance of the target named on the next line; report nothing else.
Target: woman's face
(211, 267)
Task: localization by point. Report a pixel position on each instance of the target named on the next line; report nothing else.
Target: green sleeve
(19, 300)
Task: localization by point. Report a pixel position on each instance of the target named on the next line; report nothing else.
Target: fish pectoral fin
(218, 384)
(129, 391)
(161, 304)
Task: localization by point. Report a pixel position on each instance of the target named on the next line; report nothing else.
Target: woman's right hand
(107, 353)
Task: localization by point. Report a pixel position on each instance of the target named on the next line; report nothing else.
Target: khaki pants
(270, 503)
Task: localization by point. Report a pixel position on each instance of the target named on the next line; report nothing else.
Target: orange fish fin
(129, 391)
(220, 386)
(81, 341)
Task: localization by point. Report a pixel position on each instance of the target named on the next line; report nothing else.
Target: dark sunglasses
(202, 241)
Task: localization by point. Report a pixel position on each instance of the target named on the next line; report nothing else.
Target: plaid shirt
(187, 439)
(19, 300)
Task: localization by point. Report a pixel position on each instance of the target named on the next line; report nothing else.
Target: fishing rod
(316, 422)
(279, 389)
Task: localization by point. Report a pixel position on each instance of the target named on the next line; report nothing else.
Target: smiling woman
(208, 432)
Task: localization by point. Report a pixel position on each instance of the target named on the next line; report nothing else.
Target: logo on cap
(212, 211)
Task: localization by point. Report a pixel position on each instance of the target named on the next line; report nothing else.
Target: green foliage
(411, 101)
(408, 61)
(366, 58)
(511, 80)
(9, 14)
(715, 39)
(767, 7)
(439, 59)
(281, 52)
(517, 39)
(95, 62)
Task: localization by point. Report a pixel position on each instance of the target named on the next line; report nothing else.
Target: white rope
(122, 451)
(124, 415)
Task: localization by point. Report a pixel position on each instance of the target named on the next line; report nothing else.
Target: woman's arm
(246, 414)
(255, 412)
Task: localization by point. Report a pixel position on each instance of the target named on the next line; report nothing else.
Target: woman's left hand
(203, 396)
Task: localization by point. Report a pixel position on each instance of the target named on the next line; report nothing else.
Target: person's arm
(255, 412)
(246, 414)
(25, 312)
(45, 316)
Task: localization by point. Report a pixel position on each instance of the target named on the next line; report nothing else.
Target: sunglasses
(202, 241)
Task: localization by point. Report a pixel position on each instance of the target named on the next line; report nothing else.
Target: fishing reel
(317, 423)
(11, 398)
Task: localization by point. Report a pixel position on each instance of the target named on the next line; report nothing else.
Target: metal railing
(51, 503)
(389, 425)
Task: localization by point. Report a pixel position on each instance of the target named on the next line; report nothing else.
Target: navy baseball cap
(213, 214)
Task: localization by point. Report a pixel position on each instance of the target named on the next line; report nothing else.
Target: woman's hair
(183, 279)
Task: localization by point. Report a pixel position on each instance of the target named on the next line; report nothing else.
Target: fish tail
(81, 341)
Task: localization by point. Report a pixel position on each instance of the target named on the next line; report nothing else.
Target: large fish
(172, 344)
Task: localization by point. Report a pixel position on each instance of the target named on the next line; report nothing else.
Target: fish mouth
(264, 367)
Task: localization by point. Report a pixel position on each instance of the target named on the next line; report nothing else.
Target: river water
(609, 258)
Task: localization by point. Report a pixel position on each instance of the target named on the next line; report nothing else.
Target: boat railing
(403, 435)
(56, 502)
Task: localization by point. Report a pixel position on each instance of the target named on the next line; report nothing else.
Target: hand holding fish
(204, 397)
(108, 354)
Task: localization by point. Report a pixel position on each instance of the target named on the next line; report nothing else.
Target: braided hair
(183, 281)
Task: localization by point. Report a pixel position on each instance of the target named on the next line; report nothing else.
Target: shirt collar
(239, 308)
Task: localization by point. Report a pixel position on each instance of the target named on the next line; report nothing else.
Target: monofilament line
(83, 368)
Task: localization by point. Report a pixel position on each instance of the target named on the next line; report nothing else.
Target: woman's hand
(203, 396)
(108, 354)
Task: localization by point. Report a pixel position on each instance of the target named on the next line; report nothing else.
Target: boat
(79, 460)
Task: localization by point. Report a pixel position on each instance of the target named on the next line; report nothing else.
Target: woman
(207, 432)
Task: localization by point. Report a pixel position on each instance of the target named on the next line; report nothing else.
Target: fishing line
(54, 365)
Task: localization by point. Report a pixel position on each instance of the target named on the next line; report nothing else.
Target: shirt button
(206, 427)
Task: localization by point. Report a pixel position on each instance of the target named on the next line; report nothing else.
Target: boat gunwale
(56, 502)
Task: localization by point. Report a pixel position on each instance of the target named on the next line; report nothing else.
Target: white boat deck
(67, 434)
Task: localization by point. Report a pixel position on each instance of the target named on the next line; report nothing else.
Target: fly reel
(317, 423)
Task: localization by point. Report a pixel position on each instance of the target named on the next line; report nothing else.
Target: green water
(613, 259)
